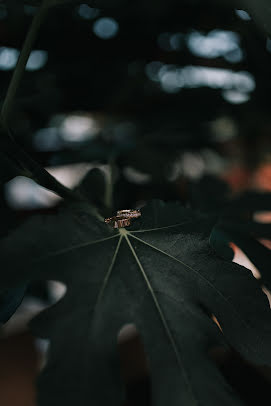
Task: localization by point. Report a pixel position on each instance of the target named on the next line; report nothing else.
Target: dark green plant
(168, 273)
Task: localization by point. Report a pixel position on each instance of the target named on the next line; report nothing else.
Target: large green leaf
(10, 300)
(236, 221)
(8, 169)
(160, 274)
(237, 224)
(208, 194)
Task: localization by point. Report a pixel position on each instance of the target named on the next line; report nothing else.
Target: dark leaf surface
(239, 225)
(208, 194)
(93, 187)
(161, 275)
(10, 300)
(8, 169)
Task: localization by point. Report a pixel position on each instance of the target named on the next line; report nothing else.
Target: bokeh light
(105, 28)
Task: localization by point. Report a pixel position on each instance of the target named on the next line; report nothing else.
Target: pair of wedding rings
(123, 218)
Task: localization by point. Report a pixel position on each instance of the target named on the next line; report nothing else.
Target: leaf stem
(22, 61)
(32, 169)
(108, 195)
(29, 166)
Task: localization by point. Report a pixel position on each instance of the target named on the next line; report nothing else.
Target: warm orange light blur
(262, 178)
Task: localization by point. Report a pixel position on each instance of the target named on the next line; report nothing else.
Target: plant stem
(108, 196)
(29, 166)
(20, 67)
(32, 169)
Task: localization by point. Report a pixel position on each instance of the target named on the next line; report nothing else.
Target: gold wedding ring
(123, 218)
(129, 213)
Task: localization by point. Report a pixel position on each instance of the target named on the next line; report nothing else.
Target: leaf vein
(208, 282)
(162, 317)
(161, 228)
(74, 247)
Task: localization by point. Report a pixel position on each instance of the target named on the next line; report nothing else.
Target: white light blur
(234, 56)
(87, 12)
(268, 294)
(268, 44)
(192, 165)
(70, 175)
(243, 15)
(223, 129)
(37, 60)
(214, 44)
(170, 82)
(127, 333)
(106, 28)
(78, 128)
(241, 259)
(173, 78)
(47, 139)
(8, 58)
(176, 41)
(57, 290)
(235, 97)
(135, 176)
(42, 346)
(152, 70)
(22, 193)
(28, 309)
(189, 164)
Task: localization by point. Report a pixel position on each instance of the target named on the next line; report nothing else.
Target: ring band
(131, 213)
(123, 218)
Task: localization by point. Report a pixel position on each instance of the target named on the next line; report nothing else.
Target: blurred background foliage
(163, 90)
